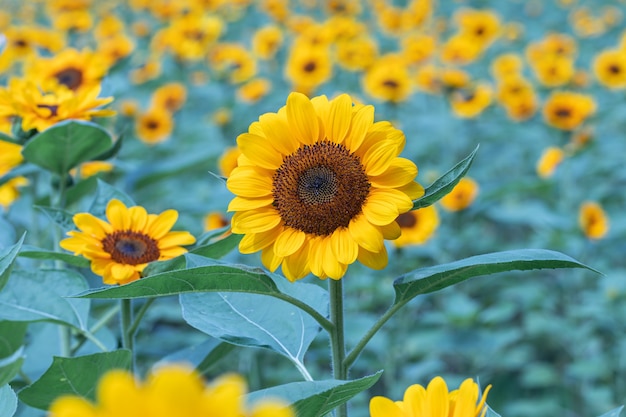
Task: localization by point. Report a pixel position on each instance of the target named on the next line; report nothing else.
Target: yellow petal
(332, 267)
(138, 218)
(437, 402)
(400, 172)
(339, 118)
(344, 247)
(160, 225)
(384, 205)
(374, 260)
(254, 242)
(378, 157)
(413, 189)
(303, 121)
(260, 151)
(362, 119)
(296, 266)
(122, 274)
(366, 234)
(72, 406)
(117, 214)
(316, 256)
(247, 181)
(241, 203)
(466, 398)
(255, 221)
(92, 225)
(415, 400)
(269, 259)
(176, 239)
(169, 253)
(276, 130)
(384, 407)
(391, 231)
(289, 241)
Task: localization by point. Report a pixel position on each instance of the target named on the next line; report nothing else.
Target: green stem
(65, 337)
(337, 337)
(104, 320)
(64, 341)
(358, 348)
(126, 321)
(93, 339)
(142, 311)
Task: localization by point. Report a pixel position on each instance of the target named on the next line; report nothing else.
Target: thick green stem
(65, 336)
(337, 336)
(142, 311)
(126, 323)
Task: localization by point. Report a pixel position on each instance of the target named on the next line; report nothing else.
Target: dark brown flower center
(563, 113)
(320, 188)
(131, 248)
(52, 107)
(615, 69)
(309, 66)
(407, 220)
(70, 77)
(391, 84)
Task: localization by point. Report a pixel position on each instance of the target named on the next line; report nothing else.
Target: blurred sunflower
(173, 390)
(388, 79)
(517, 96)
(228, 160)
(234, 61)
(154, 125)
(566, 110)
(254, 90)
(170, 96)
(120, 249)
(553, 70)
(434, 401)
(462, 195)
(215, 220)
(189, 36)
(482, 26)
(149, 70)
(470, 102)
(114, 49)
(72, 68)
(319, 185)
(266, 41)
(609, 68)
(592, 220)
(91, 168)
(417, 226)
(460, 50)
(40, 108)
(356, 54)
(10, 156)
(308, 66)
(418, 48)
(549, 161)
(9, 191)
(507, 65)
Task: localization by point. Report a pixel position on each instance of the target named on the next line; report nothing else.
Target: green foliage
(7, 258)
(38, 253)
(316, 398)
(66, 145)
(11, 349)
(73, 376)
(8, 401)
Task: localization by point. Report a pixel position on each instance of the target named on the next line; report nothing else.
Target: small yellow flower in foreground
(154, 126)
(550, 159)
(120, 249)
(9, 191)
(169, 391)
(417, 226)
(434, 401)
(319, 186)
(461, 196)
(593, 220)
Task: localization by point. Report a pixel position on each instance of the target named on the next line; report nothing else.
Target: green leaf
(203, 356)
(8, 401)
(445, 183)
(11, 349)
(110, 153)
(73, 376)
(257, 320)
(7, 259)
(613, 413)
(62, 218)
(316, 398)
(8, 138)
(434, 278)
(220, 278)
(491, 413)
(80, 190)
(66, 145)
(106, 193)
(42, 295)
(38, 253)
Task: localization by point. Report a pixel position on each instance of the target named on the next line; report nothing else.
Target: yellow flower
(388, 79)
(417, 226)
(114, 49)
(235, 61)
(480, 25)
(254, 90)
(418, 48)
(553, 70)
(91, 168)
(460, 50)
(10, 156)
(169, 391)
(506, 65)
(610, 68)
(356, 54)
(121, 249)
(549, 160)
(461, 196)
(9, 191)
(215, 220)
(434, 401)
(228, 160)
(154, 126)
(308, 66)
(266, 41)
(148, 71)
(566, 110)
(40, 109)
(517, 96)
(592, 220)
(189, 36)
(171, 97)
(468, 103)
(319, 185)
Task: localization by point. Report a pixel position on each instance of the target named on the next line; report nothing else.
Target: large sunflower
(120, 249)
(319, 185)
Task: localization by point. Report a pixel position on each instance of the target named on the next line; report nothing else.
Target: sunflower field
(307, 208)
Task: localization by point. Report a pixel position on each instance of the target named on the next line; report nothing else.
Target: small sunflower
(215, 220)
(10, 156)
(171, 97)
(9, 191)
(319, 185)
(593, 220)
(356, 54)
(462, 195)
(120, 249)
(549, 161)
(388, 79)
(266, 41)
(308, 66)
(434, 401)
(470, 102)
(567, 110)
(610, 68)
(154, 126)
(254, 90)
(417, 226)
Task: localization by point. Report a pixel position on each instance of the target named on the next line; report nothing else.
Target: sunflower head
(119, 249)
(319, 185)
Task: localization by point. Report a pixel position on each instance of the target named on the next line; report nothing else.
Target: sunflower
(308, 66)
(460, 50)
(120, 249)
(356, 54)
(173, 390)
(482, 26)
(170, 96)
(592, 220)
(254, 90)
(388, 79)
(549, 161)
(72, 68)
(319, 185)
(418, 48)
(506, 65)
(215, 220)
(553, 70)
(10, 156)
(610, 68)
(235, 61)
(434, 401)
(417, 226)
(462, 195)
(154, 126)
(266, 41)
(470, 102)
(9, 191)
(567, 110)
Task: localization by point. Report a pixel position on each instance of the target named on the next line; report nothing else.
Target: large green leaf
(42, 295)
(66, 145)
(73, 376)
(105, 193)
(316, 398)
(8, 401)
(257, 320)
(444, 184)
(7, 259)
(220, 278)
(434, 278)
(203, 356)
(38, 253)
(614, 413)
(11, 349)
(62, 218)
